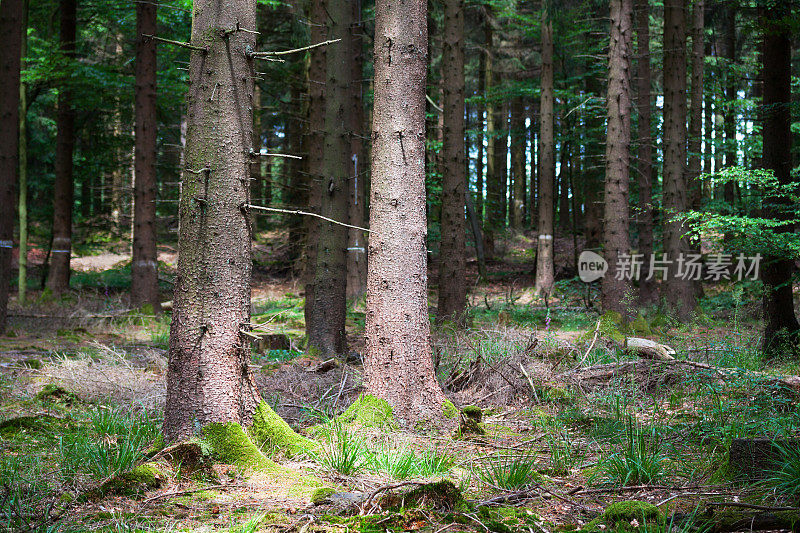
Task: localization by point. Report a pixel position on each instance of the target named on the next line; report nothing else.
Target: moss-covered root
(622, 515)
(140, 479)
(369, 411)
(272, 433)
(230, 444)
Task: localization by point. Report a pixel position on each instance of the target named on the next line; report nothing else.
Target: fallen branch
(647, 349)
(752, 506)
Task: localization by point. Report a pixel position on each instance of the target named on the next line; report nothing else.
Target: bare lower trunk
(452, 263)
(58, 276)
(679, 292)
(207, 378)
(326, 331)
(616, 242)
(781, 327)
(647, 288)
(144, 268)
(399, 364)
(22, 279)
(11, 15)
(544, 256)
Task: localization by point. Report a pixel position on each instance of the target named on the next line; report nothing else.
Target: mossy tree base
(229, 443)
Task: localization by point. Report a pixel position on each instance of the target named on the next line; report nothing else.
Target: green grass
(640, 462)
(509, 471)
(784, 480)
(111, 443)
(344, 450)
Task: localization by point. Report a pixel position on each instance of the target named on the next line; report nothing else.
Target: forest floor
(571, 421)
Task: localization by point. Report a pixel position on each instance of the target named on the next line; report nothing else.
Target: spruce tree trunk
(616, 241)
(257, 179)
(563, 186)
(694, 184)
(58, 275)
(481, 135)
(648, 294)
(326, 331)
(679, 292)
(399, 365)
(593, 180)
(518, 163)
(314, 145)
(356, 239)
(781, 325)
(144, 267)
(11, 17)
(491, 196)
(22, 279)
(545, 276)
(208, 378)
(731, 96)
(452, 261)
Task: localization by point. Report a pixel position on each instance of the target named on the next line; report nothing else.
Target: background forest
(662, 395)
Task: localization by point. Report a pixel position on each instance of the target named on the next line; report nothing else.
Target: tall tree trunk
(730, 107)
(11, 22)
(695, 185)
(518, 163)
(533, 193)
(480, 136)
(616, 241)
(326, 332)
(708, 129)
(118, 194)
(563, 180)
(679, 295)
(257, 178)
(399, 364)
(593, 180)
(545, 276)
(491, 195)
(144, 268)
(58, 276)
(781, 327)
(452, 261)
(207, 377)
(647, 288)
(22, 279)
(314, 145)
(357, 239)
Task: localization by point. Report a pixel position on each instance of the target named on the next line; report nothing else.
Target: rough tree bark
(326, 332)
(399, 365)
(545, 276)
(11, 14)
(648, 294)
(22, 277)
(616, 240)
(679, 292)
(58, 276)
(207, 377)
(778, 303)
(452, 261)
(356, 239)
(730, 97)
(694, 184)
(144, 267)
(313, 144)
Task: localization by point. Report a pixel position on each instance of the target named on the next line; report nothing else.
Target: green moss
(156, 447)
(558, 394)
(321, 494)
(508, 519)
(620, 514)
(449, 410)
(142, 478)
(474, 412)
(270, 431)
(31, 363)
(639, 326)
(612, 326)
(369, 411)
(39, 422)
(231, 445)
(55, 393)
